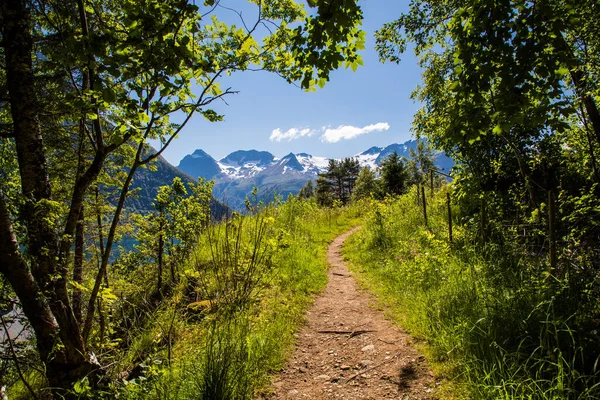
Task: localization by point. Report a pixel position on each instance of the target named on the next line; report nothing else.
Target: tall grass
(239, 301)
(498, 323)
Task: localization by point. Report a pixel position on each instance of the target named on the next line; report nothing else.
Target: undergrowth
(498, 323)
(230, 319)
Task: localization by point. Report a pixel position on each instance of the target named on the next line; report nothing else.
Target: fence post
(431, 177)
(449, 217)
(552, 229)
(424, 203)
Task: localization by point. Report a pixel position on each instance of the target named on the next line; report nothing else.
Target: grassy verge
(231, 319)
(496, 325)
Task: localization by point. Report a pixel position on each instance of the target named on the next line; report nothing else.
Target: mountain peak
(238, 172)
(200, 153)
(240, 157)
(199, 163)
(291, 162)
(373, 150)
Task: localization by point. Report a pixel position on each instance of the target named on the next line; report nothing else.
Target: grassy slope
(488, 323)
(228, 349)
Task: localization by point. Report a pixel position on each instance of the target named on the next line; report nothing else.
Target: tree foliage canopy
(510, 92)
(337, 183)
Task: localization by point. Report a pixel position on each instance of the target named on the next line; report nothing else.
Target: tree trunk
(16, 271)
(78, 268)
(42, 289)
(159, 260)
(589, 104)
(100, 229)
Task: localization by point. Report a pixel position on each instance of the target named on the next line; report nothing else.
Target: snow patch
(367, 160)
(309, 162)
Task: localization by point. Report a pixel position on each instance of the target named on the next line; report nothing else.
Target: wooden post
(431, 177)
(552, 229)
(449, 217)
(424, 203)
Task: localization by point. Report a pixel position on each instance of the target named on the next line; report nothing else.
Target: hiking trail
(348, 349)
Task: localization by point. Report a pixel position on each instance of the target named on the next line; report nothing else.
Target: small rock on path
(349, 350)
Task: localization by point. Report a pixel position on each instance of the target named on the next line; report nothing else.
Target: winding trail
(348, 349)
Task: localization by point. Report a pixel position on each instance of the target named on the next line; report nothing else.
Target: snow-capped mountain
(236, 174)
(369, 157)
(244, 164)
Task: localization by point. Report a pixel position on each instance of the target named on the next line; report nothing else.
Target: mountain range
(236, 174)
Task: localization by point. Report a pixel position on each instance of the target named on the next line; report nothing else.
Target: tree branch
(16, 360)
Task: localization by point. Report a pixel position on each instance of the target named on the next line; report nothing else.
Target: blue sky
(373, 102)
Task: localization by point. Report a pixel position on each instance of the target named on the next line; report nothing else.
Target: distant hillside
(146, 183)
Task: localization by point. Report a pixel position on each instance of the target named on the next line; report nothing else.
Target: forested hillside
(120, 279)
(146, 182)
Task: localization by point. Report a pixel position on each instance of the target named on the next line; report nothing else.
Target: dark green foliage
(331, 38)
(510, 93)
(394, 175)
(323, 192)
(337, 183)
(307, 190)
(367, 185)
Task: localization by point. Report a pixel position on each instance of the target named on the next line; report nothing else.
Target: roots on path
(347, 349)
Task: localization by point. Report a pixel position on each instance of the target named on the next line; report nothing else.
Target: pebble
(322, 378)
(365, 363)
(368, 347)
(345, 367)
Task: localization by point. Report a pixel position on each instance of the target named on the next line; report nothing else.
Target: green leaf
(91, 116)
(562, 71)
(143, 117)
(108, 95)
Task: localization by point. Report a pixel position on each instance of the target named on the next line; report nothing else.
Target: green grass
(495, 325)
(252, 279)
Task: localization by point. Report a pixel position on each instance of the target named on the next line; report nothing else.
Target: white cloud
(333, 135)
(278, 135)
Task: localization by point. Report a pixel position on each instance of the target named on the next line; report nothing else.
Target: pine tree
(366, 185)
(394, 174)
(307, 190)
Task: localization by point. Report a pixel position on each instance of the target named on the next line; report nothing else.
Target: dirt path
(349, 350)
